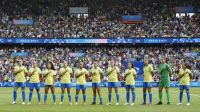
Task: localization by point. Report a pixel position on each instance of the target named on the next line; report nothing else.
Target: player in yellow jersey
(49, 75)
(19, 73)
(130, 75)
(147, 83)
(97, 75)
(81, 75)
(34, 74)
(113, 75)
(185, 74)
(65, 74)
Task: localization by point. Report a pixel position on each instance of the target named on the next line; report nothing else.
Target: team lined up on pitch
(65, 73)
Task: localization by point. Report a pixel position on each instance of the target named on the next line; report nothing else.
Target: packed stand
(52, 19)
(103, 54)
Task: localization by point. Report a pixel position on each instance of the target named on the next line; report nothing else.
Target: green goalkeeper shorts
(164, 84)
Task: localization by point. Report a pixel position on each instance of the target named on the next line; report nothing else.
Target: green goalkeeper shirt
(164, 72)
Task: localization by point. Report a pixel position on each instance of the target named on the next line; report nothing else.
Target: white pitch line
(190, 94)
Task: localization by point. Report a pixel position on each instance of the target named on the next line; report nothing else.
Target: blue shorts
(186, 87)
(96, 85)
(147, 84)
(129, 86)
(19, 84)
(113, 85)
(65, 85)
(34, 85)
(80, 87)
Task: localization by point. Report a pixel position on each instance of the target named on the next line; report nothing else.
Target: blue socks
(84, 98)
(188, 96)
(62, 97)
(109, 97)
(94, 99)
(14, 95)
(76, 98)
(117, 97)
(45, 98)
(181, 96)
(144, 97)
(69, 97)
(150, 98)
(23, 95)
(127, 97)
(133, 96)
(54, 98)
(30, 95)
(38, 95)
(100, 98)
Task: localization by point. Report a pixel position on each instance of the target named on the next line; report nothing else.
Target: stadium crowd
(175, 55)
(52, 19)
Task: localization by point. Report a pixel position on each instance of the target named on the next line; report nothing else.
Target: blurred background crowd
(52, 19)
(175, 56)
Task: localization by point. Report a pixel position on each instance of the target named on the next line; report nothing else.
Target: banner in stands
(76, 54)
(104, 84)
(132, 19)
(23, 54)
(98, 41)
(78, 10)
(185, 10)
(23, 22)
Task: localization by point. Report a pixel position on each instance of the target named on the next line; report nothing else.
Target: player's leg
(84, 94)
(99, 93)
(53, 93)
(116, 92)
(180, 95)
(94, 93)
(160, 95)
(37, 87)
(127, 87)
(188, 94)
(150, 93)
(109, 92)
(77, 93)
(133, 94)
(46, 90)
(15, 88)
(23, 92)
(31, 87)
(168, 95)
(69, 94)
(144, 93)
(62, 93)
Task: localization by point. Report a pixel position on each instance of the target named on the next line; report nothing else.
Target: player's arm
(110, 71)
(64, 72)
(135, 74)
(118, 73)
(101, 74)
(170, 70)
(151, 70)
(78, 74)
(54, 77)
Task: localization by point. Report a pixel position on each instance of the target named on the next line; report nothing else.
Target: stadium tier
(99, 19)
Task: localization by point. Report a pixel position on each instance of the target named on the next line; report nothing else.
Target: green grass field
(6, 100)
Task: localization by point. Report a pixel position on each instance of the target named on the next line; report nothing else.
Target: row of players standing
(49, 75)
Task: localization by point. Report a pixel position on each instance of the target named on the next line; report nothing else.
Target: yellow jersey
(65, 73)
(96, 74)
(49, 78)
(35, 77)
(81, 80)
(20, 76)
(113, 76)
(147, 73)
(130, 78)
(185, 80)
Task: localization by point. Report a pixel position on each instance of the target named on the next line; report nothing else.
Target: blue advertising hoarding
(99, 41)
(23, 22)
(105, 84)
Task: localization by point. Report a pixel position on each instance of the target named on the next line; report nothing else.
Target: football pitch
(6, 100)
